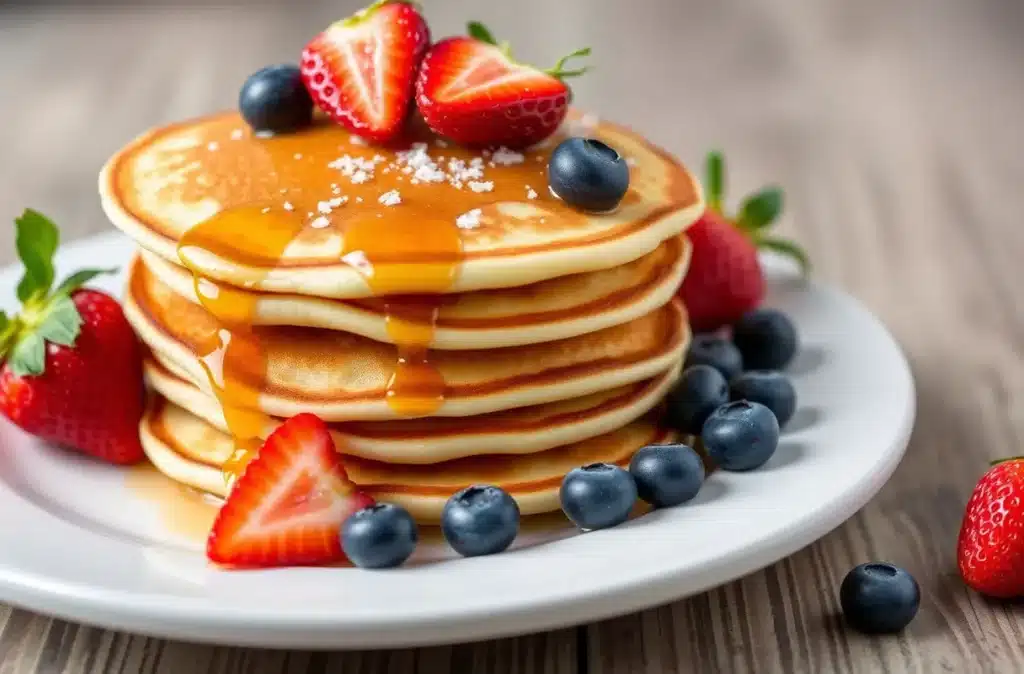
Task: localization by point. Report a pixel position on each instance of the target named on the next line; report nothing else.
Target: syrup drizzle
(409, 253)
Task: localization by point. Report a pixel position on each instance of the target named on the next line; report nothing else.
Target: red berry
(470, 90)
(990, 550)
(361, 70)
(72, 367)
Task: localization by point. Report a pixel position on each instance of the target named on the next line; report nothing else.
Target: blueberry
(700, 391)
(380, 536)
(717, 352)
(741, 435)
(667, 475)
(275, 100)
(879, 598)
(597, 496)
(766, 338)
(774, 390)
(588, 174)
(480, 520)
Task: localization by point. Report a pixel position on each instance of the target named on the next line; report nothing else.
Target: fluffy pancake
(339, 376)
(418, 441)
(190, 451)
(450, 228)
(545, 311)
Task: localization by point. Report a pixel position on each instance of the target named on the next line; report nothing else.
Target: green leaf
(80, 278)
(7, 329)
(714, 178)
(28, 356)
(760, 210)
(61, 323)
(787, 249)
(559, 70)
(36, 240)
(478, 31)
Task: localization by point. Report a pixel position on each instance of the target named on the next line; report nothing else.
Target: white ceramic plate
(90, 543)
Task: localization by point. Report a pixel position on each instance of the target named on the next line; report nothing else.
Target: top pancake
(302, 213)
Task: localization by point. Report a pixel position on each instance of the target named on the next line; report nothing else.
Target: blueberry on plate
(772, 389)
(767, 339)
(597, 496)
(380, 536)
(587, 174)
(700, 391)
(667, 475)
(879, 598)
(480, 520)
(717, 352)
(740, 435)
(274, 100)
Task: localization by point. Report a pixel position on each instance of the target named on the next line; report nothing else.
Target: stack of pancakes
(451, 320)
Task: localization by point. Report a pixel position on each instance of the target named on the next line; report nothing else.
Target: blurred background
(893, 125)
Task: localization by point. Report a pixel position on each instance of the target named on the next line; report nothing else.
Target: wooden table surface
(895, 129)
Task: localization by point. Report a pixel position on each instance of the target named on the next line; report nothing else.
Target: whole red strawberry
(470, 90)
(725, 279)
(71, 369)
(362, 69)
(990, 550)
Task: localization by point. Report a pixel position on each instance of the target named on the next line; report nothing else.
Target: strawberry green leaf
(786, 249)
(36, 240)
(7, 330)
(61, 323)
(559, 70)
(28, 356)
(714, 178)
(760, 210)
(478, 31)
(80, 278)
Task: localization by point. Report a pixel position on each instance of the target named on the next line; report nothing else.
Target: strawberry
(725, 279)
(361, 70)
(71, 368)
(470, 90)
(990, 550)
(288, 505)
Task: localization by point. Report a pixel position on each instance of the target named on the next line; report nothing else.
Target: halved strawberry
(362, 69)
(287, 507)
(470, 90)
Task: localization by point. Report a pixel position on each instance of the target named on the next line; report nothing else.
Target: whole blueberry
(879, 598)
(597, 496)
(587, 174)
(275, 100)
(700, 391)
(772, 389)
(717, 352)
(480, 520)
(741, 435)
(766, 338)
(667, 475)
(380, 536)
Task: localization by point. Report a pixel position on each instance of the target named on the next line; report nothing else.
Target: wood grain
(894, 127)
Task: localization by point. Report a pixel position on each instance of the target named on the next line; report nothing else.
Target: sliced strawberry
(470, 90)
(287, 507)
(361, 70)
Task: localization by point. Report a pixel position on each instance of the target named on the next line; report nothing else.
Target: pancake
(320, 213)
(339, 376)
(545, 311)
(419, 441)
(190, 451)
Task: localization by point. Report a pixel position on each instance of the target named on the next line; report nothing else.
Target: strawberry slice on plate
(288, 505)
(361, 70)
(471, 90)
